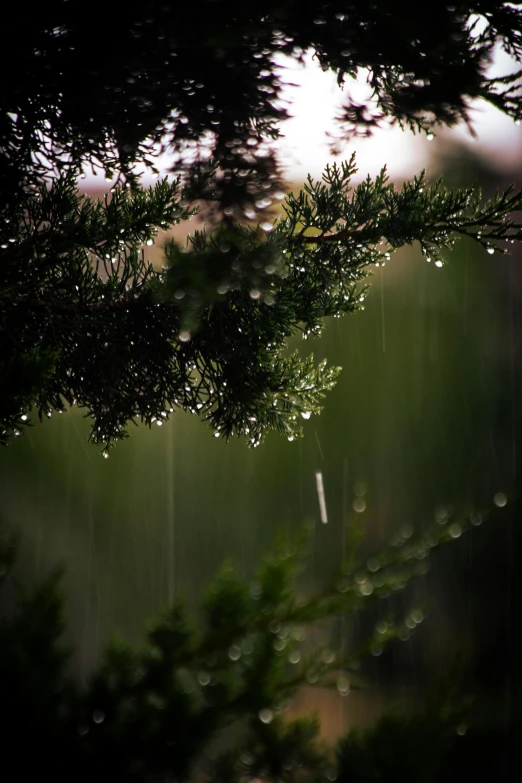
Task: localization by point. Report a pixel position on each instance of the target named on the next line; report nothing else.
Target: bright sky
(315, 101)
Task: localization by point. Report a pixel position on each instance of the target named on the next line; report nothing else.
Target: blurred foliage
(208, 83)
(206, 695)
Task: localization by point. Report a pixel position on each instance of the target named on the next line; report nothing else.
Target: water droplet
(254, 293)
(438, 263)
(475, 518)
(491, 250)
(306, 414)
(98, 716)
(105, 454)
(290, 438)
(359, 505)
(430, 136)
(185, 336)
(295, 656)
(327, 656)
(234, 653)
(343, 685)
(203, 678)
(499, 499)
(24, 417)
(266, 715)
(159, 422)
(455, 530)
(417, 616)
(462, 729)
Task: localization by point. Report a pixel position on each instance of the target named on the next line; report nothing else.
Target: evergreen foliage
(207, 698)
(84, 317)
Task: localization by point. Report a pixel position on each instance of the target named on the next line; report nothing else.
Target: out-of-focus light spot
(343, 685)
(359, 505)
(266, 715)
(455, 530)
(499, 499)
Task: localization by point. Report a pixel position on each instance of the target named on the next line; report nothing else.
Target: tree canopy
(84, 316)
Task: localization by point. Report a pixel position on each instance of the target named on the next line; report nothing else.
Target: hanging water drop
(266, 715)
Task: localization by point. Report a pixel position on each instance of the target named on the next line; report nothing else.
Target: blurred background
(425, 420)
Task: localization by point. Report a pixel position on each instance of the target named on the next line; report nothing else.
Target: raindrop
(83, 730)
(24, 417)
(295, 656)
(159, 423)
(475, 518)
(499, 499)
(455, 530)
(290, 438)
(430, 136)
(359, 505)
(234, 653)
(491, 250)
(327, 656)
(254, 293)
(438, 263)
(266, 715)
(343, 685)
(150, 242)
(203, 678)
(461, 730)
(306, 414)
(105, 454)
(98, 716)
(185, 336)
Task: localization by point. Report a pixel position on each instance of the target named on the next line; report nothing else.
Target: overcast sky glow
(314, 102)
